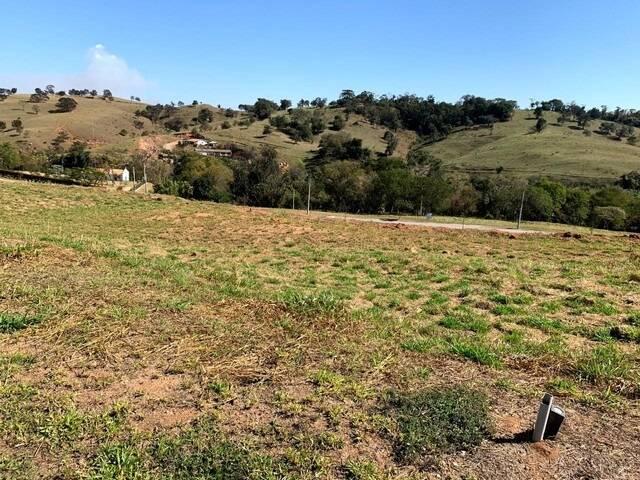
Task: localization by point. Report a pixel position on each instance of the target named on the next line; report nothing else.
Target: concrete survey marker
(549, 419)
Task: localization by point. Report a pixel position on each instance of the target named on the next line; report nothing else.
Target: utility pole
(144, 167)
(309, 197)
(521, 206)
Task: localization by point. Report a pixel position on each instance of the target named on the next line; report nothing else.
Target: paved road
(452, 226)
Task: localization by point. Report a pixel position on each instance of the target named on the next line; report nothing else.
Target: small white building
(116, 174)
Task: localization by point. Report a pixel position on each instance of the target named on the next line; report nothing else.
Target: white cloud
(104, 70)
(107, 70)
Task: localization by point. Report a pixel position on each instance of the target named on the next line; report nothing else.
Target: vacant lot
(159, 338)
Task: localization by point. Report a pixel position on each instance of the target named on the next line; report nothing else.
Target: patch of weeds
(412, 295)
(476, 350)
(585, 304)
(463, 319)
(177, 304)
(14, 469)
(361, 470)
(11, 322)
(219, 388)
(439, 420)
(118, 461)
(324, 302)
(202, 452)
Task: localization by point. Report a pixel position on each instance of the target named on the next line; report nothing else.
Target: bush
(439, 420)
(226, 125)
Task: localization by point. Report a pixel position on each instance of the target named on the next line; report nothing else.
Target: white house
(116, 174)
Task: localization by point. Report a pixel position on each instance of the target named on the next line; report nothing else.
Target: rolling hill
(560, 151)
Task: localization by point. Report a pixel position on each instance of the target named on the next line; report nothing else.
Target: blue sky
(231, 52)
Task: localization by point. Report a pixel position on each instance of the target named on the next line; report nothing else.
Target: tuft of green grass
(323, 303)
(11, 322)
(361, 470)
(439, 420)
(476, 350)
(543, 323)
(604, 364)
(463, 319)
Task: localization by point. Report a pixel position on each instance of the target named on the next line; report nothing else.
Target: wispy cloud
(104, 70)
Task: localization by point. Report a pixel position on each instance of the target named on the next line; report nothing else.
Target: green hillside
(559, 151)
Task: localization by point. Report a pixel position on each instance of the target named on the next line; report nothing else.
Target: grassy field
(154, 337)
(559, 151)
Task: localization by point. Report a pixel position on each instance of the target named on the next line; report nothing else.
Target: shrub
(439, 420)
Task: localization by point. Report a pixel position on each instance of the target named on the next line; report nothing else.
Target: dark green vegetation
(164, 338)
(443, 419)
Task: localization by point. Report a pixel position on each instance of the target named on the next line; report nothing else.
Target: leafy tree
(338, 123)
(50, 89)
(263, 108)
(319, 102)
(392, 144)
(181, 103)
(9, 156)
(205, 115)
(66, 104)
(17, 125)
(77, 156)
(285, 104)
(347, 185)
(538, 112)
(175, 124)
(541, 124)
(93, 93)
(107, 95)
(577, 206)
(630, 181)
(610, 218)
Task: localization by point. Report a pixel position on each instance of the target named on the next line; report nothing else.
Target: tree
(541, 124)
(392, 144)
(263, 108)
(176, 124)
(77, 156)
(337, 123)
(610, 218)
(583, 121)
(181, 103)
(319, 102)
(630, 181)
(9, 156)
(194, 103)
(538, 112)
(285, 104)
(65, 105)
(205, 115)
(17, 125)
(61, 93)
(107, 95)
(50, 89)
(137, 99)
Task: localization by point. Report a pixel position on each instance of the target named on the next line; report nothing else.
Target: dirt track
(451, 226)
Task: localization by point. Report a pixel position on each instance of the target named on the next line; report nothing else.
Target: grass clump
(11, 322)
(604, 365)
(439, 420)
(324, 302)
(465, 320)
(476, 350)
